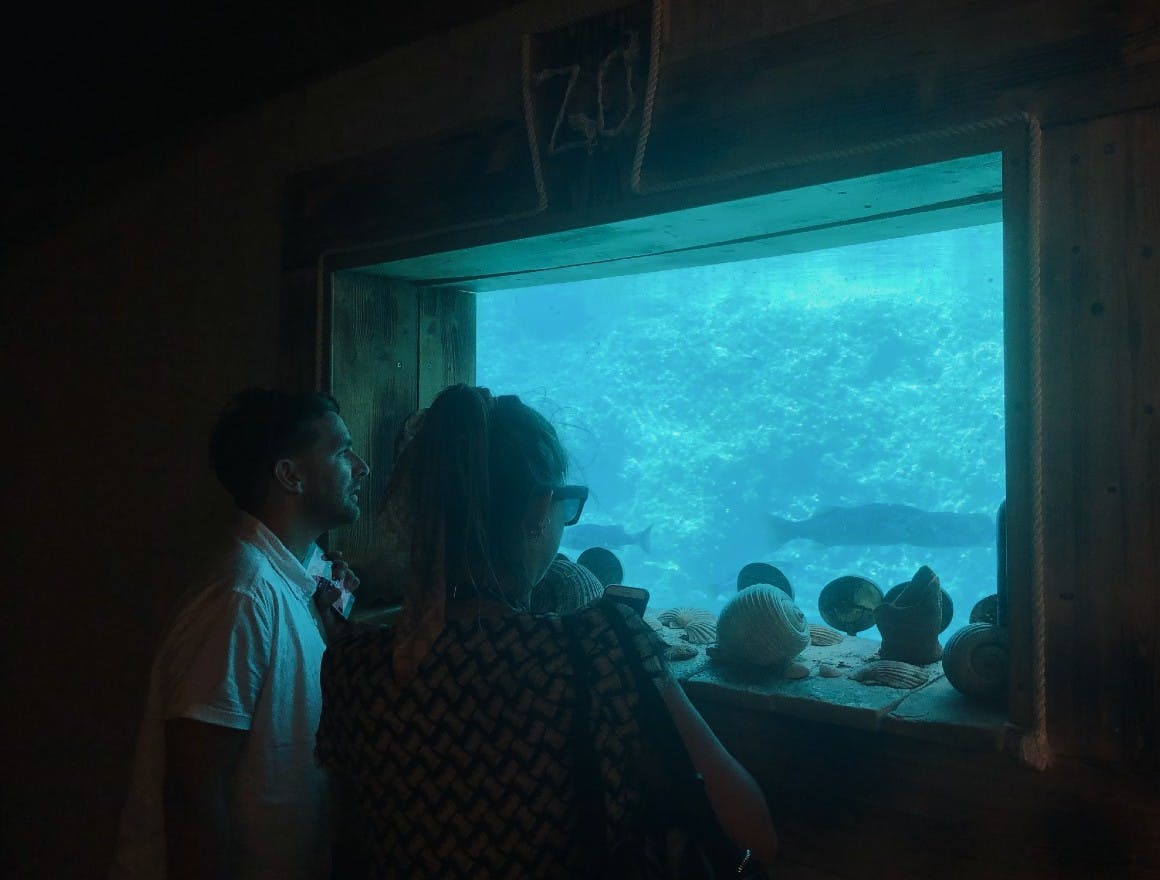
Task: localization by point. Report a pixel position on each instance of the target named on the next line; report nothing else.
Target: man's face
(332, 476)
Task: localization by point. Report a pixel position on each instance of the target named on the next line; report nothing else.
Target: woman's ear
(536, 513)
(288, 476)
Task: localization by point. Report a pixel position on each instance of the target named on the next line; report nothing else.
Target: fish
(611, 537)
(885, 525)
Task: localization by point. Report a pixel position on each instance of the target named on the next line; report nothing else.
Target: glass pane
(708, 407)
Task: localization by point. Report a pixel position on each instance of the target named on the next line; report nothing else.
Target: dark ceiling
(83, 83)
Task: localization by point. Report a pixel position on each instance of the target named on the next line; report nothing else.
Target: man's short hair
(257, 427)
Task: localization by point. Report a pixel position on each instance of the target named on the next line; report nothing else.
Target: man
(224, 783)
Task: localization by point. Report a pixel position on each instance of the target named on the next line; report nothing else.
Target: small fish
(611, 537)
(885, 525)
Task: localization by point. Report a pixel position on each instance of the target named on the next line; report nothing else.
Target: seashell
(763, 573)
(701, 632)
(823, 635)
(847, 603)
(986, 610)
(761, 625)
(825, 670)
(948, 605)
(910, 624)
(680, 618)
(891, 673)
(976, 661)
(795, 671)
(680, 652)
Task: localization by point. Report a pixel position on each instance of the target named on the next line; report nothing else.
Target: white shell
(975, 661)
(679, 618)
(761, 625)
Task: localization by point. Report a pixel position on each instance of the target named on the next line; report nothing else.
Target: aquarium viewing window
(833, 412)
(811, 378)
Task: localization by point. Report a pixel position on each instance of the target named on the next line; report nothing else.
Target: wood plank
(374, 376)
(885, 72)
(1103, 313)
(477, 175)
(854, 804)
(446, 341)
(896, 202)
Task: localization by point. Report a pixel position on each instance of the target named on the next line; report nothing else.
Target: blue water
(700, 401)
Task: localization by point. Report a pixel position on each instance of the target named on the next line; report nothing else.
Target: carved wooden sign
(584, 89)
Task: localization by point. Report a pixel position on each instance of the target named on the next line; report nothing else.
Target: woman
(456, 733)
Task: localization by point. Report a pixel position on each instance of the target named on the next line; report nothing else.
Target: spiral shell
(701, 632)
(891, 673)
(680, 618)
(761, 625)
(823, 635)
(847, 603)
(976, 661)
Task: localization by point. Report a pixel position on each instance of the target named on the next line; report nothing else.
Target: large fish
(612, 537)
(885, 524)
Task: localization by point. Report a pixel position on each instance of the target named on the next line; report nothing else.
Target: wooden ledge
(934, 711)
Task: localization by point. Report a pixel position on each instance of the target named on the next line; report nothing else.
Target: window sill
(934, 711)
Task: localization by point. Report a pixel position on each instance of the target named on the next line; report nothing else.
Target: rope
(1034, 750)
(530, 128)
(659, 14)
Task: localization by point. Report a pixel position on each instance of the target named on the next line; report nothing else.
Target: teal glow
(702, 400)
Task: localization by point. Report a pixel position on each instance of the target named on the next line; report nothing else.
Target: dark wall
(139, 304)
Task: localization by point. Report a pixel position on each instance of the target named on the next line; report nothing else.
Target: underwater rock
(763, 573)
(891, 673)
(701, 632)
(823, 636)
(762, 626)
(826, 670)
(847, 603)
(911, 623)
(976, 661)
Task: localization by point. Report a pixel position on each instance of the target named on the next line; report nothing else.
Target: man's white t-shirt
(245, 653)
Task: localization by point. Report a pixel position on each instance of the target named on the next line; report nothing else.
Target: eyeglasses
(573, 498)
